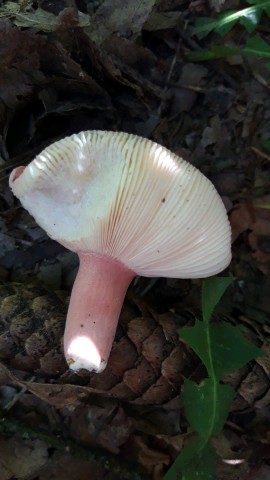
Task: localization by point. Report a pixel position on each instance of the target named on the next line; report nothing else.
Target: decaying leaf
(38, 19)
(122, 17)
(20, 459)
(64, 467)
(162, 21)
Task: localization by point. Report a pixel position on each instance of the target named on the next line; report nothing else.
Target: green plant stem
(214, 380)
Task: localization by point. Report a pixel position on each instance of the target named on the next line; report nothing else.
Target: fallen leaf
(38, 19)
(108, 427)
(261, 473)
(21, 458)
(242, 218)
(162, 21)
(65, 467)
(123, 17)
(152, 458)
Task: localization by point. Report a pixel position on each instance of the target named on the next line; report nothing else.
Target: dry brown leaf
(261, 473)
(65, 467)
(125, 18)
(136, 56)
(162, 21)
(217, 4)
(106, 426)
(257, 252)
(186, 90)
(21, 458)
(35, 66)
(242, 218)
(153, 460)
(20, 64)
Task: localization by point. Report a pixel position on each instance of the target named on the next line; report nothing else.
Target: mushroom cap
(126, 197)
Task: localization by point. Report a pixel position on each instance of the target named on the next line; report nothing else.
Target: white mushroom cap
(126, 197)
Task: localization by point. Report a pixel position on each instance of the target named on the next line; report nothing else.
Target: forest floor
(73, 65)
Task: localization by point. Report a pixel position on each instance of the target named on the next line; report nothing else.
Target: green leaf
(222, 347)
(205, 25)
(251, 19)
(207, 406)
(217, 51)
(212, 290)
(201, 55)
(266, 144)
(196, 461)
(226, 22)
(196, 337)
(231, 350)
(259, 3)
(202, 466)
(257, 46)
(224, 51)
(187, 454)
(193, 449)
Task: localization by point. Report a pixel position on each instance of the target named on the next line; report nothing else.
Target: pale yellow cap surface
(127, 197)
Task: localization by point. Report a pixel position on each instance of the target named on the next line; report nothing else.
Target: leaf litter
(69, 66)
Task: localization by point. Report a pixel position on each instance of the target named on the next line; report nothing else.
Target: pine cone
(146, 364)
(146, 360)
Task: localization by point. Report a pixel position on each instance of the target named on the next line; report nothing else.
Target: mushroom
(128, 207)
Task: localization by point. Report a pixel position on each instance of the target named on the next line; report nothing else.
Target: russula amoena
(128, 207)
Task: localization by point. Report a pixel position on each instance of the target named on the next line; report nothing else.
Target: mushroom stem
(95, 305)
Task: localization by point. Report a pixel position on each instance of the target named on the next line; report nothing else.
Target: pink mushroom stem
(95, 305)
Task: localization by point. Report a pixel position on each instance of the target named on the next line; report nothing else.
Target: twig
(169, 75)
(260, 153)
(16, 397)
